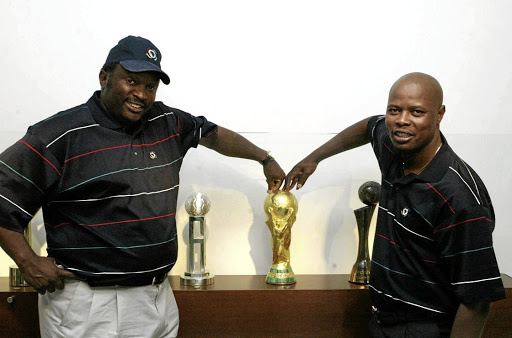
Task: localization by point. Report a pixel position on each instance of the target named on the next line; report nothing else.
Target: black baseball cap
(136, 55)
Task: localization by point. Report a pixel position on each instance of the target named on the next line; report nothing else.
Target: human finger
(302, 180)
(274, 185)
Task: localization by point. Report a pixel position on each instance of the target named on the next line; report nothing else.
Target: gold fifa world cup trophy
(281, 208)
(369, 194)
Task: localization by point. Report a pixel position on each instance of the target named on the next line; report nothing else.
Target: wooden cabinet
(245, 306)
(317, 306)
(18, 311)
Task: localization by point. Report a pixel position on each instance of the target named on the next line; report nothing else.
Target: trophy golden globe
(281, 208)
(369, 193)
(197, 206)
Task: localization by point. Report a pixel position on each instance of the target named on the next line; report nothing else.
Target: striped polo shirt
(433, 244)
(108, 196)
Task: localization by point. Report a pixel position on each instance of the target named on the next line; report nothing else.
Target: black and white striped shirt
(433, 244)
(108, 196)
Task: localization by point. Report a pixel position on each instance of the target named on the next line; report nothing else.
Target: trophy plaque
(197, 206)
(369, 193)
(281, 208)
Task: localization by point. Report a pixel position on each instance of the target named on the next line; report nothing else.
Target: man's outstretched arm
(229, 143)
(349, 138)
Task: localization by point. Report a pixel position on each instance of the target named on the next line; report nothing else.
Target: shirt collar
(102, 117)
(436, 169)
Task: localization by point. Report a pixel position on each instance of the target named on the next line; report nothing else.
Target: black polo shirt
(433, 244)
(108, 196)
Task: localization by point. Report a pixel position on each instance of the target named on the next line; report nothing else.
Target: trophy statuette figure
(281, 208)
(197, 205)
(369, 193)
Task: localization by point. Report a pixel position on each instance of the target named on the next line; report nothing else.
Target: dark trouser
(390, 325)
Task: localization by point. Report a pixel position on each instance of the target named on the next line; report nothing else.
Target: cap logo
(151, 53)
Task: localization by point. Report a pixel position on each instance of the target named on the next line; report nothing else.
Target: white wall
(287, 75)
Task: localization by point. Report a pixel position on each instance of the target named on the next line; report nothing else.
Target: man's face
(413, 116)
(127, 96)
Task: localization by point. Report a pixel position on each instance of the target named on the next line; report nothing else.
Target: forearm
(40, 272)
(349, 138)
(16, 246)
(229, 143)
(470, 320)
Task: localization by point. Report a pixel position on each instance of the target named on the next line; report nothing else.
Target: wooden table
(245, 306)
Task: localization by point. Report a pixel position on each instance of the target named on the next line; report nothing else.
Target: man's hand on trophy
(274, 174)
(299, 174)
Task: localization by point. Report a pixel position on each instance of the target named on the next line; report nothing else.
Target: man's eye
(392, 110)
(419, 112)
(130, 81)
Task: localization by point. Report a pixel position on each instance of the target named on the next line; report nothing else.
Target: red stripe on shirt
(44, 158)
(388, 148)
(123, 146)
(405, 250)
(430, 185)
(212, 132)
(56, 226)
(466, 221)
(128, 221)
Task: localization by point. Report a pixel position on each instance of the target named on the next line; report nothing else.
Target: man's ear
(103, 79)
(440, 114)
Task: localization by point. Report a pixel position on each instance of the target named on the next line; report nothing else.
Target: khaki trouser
(82, 311)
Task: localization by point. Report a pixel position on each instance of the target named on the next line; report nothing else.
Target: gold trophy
(281, 208)
(369, 193)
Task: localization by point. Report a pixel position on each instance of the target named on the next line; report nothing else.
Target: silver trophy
(197, 205)
(369, 194)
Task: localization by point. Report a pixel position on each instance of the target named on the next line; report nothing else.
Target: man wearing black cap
(106, 174)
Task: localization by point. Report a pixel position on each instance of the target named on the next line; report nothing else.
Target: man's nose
(403, 118)
(140, 92)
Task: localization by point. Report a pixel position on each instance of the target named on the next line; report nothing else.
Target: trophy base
(197, 281)
(15, 277)
(359, 276)
(280, 277)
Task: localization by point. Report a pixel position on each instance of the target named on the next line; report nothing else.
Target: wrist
(267, 159)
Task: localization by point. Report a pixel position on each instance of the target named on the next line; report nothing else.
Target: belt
(145, 280)
(131, 281)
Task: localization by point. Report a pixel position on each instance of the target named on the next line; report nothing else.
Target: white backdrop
(287, 75)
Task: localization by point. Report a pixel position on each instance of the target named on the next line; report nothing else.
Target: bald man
(434, 272)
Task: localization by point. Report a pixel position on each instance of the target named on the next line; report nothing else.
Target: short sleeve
(464, 242)
(28, 171)
(193, 128)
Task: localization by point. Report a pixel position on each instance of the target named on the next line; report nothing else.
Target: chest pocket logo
(405, 211)
(152, 155)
